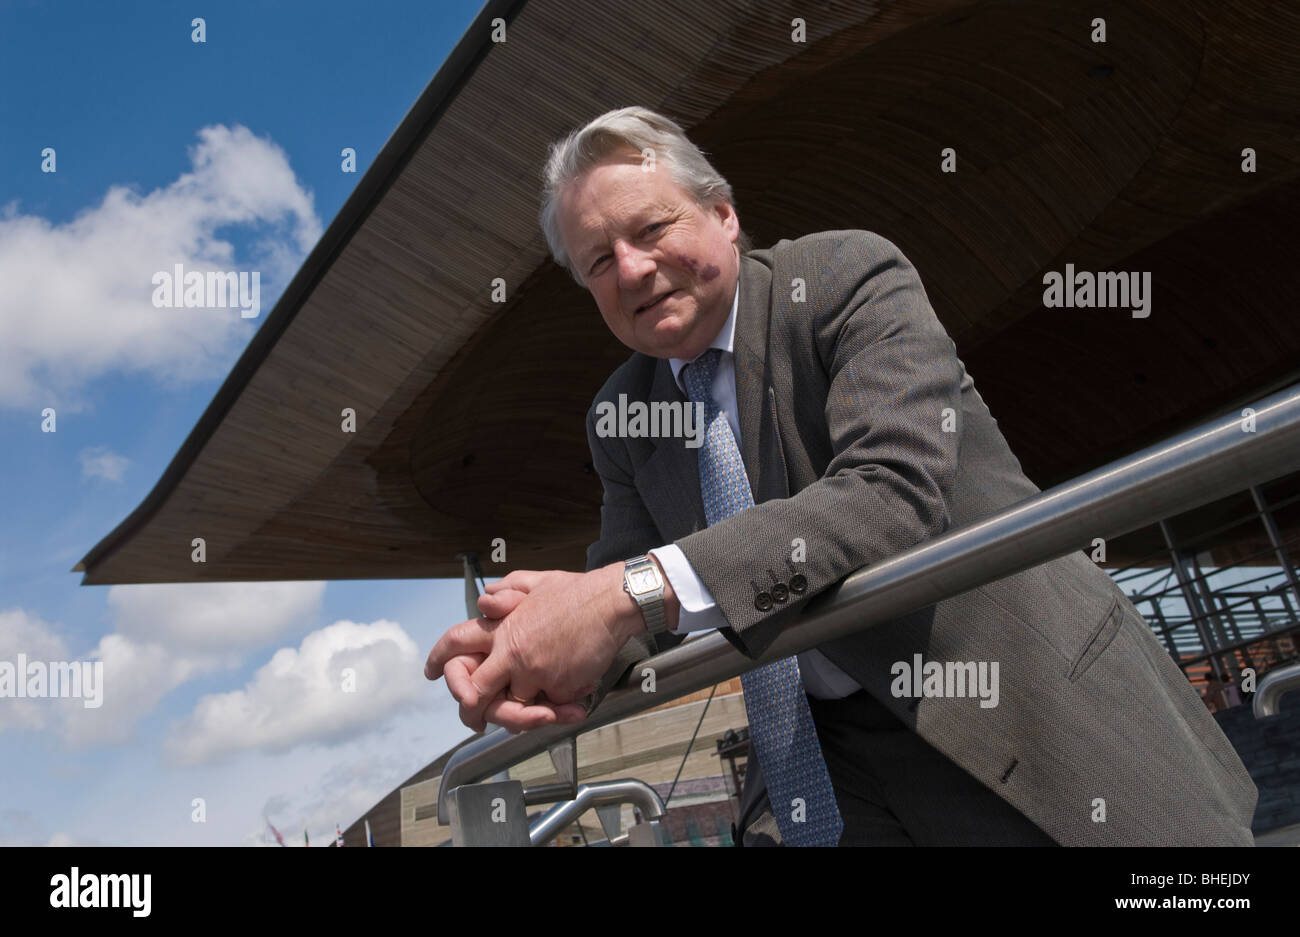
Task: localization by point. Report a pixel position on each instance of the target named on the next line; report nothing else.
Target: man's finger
(500, 604)
(458, 672)
(491, 678)
(570, 713)
(521, 580)
(472, 718)
(468, 637)
(517, 717)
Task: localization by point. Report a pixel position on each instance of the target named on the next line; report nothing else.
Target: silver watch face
(644, 581)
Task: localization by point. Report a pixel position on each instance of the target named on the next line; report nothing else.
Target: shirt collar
(725, 339)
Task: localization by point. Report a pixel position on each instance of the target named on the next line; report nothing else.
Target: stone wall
(1270, 750)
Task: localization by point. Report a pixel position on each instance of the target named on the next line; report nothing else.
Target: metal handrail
(626, 791)
(1184, 472)
(1275, 685)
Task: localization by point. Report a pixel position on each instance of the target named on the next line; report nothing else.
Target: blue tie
(781, 728)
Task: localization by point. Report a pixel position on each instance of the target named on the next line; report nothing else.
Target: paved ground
(1286, 836)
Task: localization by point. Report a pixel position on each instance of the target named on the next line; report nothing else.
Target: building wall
(1270, 750)
(648, 747)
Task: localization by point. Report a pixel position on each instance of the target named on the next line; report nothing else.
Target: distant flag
(339, 840)
(370, 840)
(306, 841)
(278, 838)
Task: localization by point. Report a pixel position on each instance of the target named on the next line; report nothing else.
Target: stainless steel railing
(1195, 467)
(625, 791)
(1275, 685)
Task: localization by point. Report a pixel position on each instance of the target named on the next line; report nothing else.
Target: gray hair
(640, 129)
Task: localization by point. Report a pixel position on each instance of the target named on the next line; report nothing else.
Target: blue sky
(166, 147)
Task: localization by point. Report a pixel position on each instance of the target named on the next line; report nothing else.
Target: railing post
(489, 814)
(597, 794)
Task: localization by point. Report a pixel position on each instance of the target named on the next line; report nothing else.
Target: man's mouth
(654, 303)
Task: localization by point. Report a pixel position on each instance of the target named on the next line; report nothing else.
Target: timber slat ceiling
(1116, 156)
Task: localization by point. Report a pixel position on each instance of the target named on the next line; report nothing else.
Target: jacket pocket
(776, 435)
(1097, 644)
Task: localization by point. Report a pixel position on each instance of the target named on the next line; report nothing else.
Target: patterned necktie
(781, 728)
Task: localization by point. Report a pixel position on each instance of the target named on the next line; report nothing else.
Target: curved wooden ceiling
(1117, 156)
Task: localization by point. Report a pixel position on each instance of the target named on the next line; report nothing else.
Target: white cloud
(165, 635)
(363, 773)
(299, 697)
(23, 633)
(217, 617)
(78, 297)
(102, 462)
(136, 677)
(29, 634)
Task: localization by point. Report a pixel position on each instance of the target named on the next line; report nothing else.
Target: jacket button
(779, 592)
(763, 602)
(798, 584)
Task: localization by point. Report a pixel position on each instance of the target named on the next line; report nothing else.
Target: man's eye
(654, 225)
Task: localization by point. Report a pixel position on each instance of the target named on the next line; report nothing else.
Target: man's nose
(633, 265)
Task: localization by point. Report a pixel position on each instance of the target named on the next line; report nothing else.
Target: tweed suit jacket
(1097, 735)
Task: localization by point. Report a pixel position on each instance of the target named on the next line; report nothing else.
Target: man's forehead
(595, 221)
(592, 220)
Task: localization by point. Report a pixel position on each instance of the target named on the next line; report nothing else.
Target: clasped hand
(544, 637)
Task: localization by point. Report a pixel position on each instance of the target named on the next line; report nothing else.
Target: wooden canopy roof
(1122, 155)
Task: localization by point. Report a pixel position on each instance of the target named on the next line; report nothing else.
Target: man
(841, 429)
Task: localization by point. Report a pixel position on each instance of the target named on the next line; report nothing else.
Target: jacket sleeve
(892, 375)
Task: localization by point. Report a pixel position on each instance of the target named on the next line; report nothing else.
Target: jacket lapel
(763, 464)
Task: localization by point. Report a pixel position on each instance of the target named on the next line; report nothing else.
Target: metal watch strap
(652, 605)
(656, 619)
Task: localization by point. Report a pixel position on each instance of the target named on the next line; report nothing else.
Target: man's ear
(728, 218)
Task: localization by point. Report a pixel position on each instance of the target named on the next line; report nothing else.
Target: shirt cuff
(699, 611)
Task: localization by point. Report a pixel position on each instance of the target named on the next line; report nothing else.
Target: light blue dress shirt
(699, 611)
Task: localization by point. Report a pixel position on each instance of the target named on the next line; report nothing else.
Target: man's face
(636, 236)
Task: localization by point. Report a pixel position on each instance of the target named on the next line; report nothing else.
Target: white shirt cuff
(699, 611)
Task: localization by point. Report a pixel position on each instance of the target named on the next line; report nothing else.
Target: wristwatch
(642, 581)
